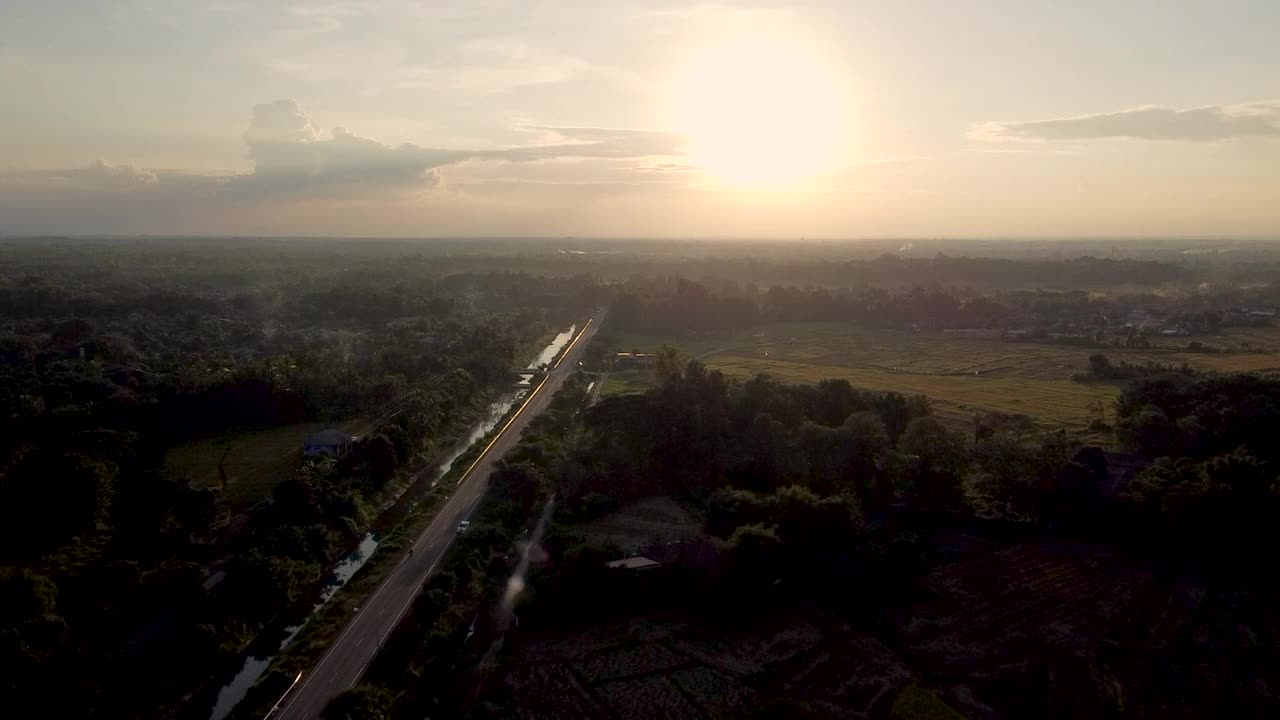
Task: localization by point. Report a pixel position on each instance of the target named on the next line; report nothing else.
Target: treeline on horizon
(675, 304)
(803, 264)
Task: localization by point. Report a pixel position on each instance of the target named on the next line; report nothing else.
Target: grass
(621, 382)
(916, 703)
(652, 520)
(255, 461)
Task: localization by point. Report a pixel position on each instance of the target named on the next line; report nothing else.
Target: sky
(840, 119)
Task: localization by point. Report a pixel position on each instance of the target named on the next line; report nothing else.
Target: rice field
(962, 372)
(1058, 401)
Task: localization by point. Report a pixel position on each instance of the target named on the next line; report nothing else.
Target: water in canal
(549, 352)
(254, 666)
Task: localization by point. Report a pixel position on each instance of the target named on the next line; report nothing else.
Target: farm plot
(648, 698)
(253, 462)
(861, 674)
(986, 607)
(809, 663)
(549, 691)
(752, 651)
(718, 694)
(584, 641)
(628, 660)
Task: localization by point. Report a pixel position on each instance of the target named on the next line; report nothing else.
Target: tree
(814, 529)
(868, 445)
(363, 702)
(1218, 513)
(834, 401)
(824, 450)
(382, 458)
(49, 497)
(1100, 366)
(755, 553)
(936, 461)
(25, 595)
(894, 413)
(1023, 478)
(668, 365)
(522, 483)
(1152, 433)
(728, 509)
(1097, 412)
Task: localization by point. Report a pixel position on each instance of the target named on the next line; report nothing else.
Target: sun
(760, 113)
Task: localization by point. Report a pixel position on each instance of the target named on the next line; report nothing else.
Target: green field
(255, 462)
(620, 382)
(962, 372)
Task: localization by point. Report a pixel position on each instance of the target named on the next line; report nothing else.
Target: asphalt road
(346, 659)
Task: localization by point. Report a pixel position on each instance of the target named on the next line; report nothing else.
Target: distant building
(625, 360)
(636, 564)
(327, 443)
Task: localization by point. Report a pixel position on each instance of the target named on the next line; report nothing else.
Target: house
(624, 360)
(327, 443)
(635, 564)
(698, 553)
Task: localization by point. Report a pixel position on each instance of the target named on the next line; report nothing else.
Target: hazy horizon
(754, 120)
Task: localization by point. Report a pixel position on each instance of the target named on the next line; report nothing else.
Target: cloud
(1213, 122)
(127, 175)
(589, 142)
(297, 163)
(293, 155)
(97, 175)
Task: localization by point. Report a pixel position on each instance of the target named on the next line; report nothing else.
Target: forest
(113, 564)
(826, 499)
(861, 509)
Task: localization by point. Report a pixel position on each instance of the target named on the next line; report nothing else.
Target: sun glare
(760, 114)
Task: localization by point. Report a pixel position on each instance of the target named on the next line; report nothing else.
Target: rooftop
(634, 563)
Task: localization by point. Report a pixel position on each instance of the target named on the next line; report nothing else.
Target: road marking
(466, 477)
